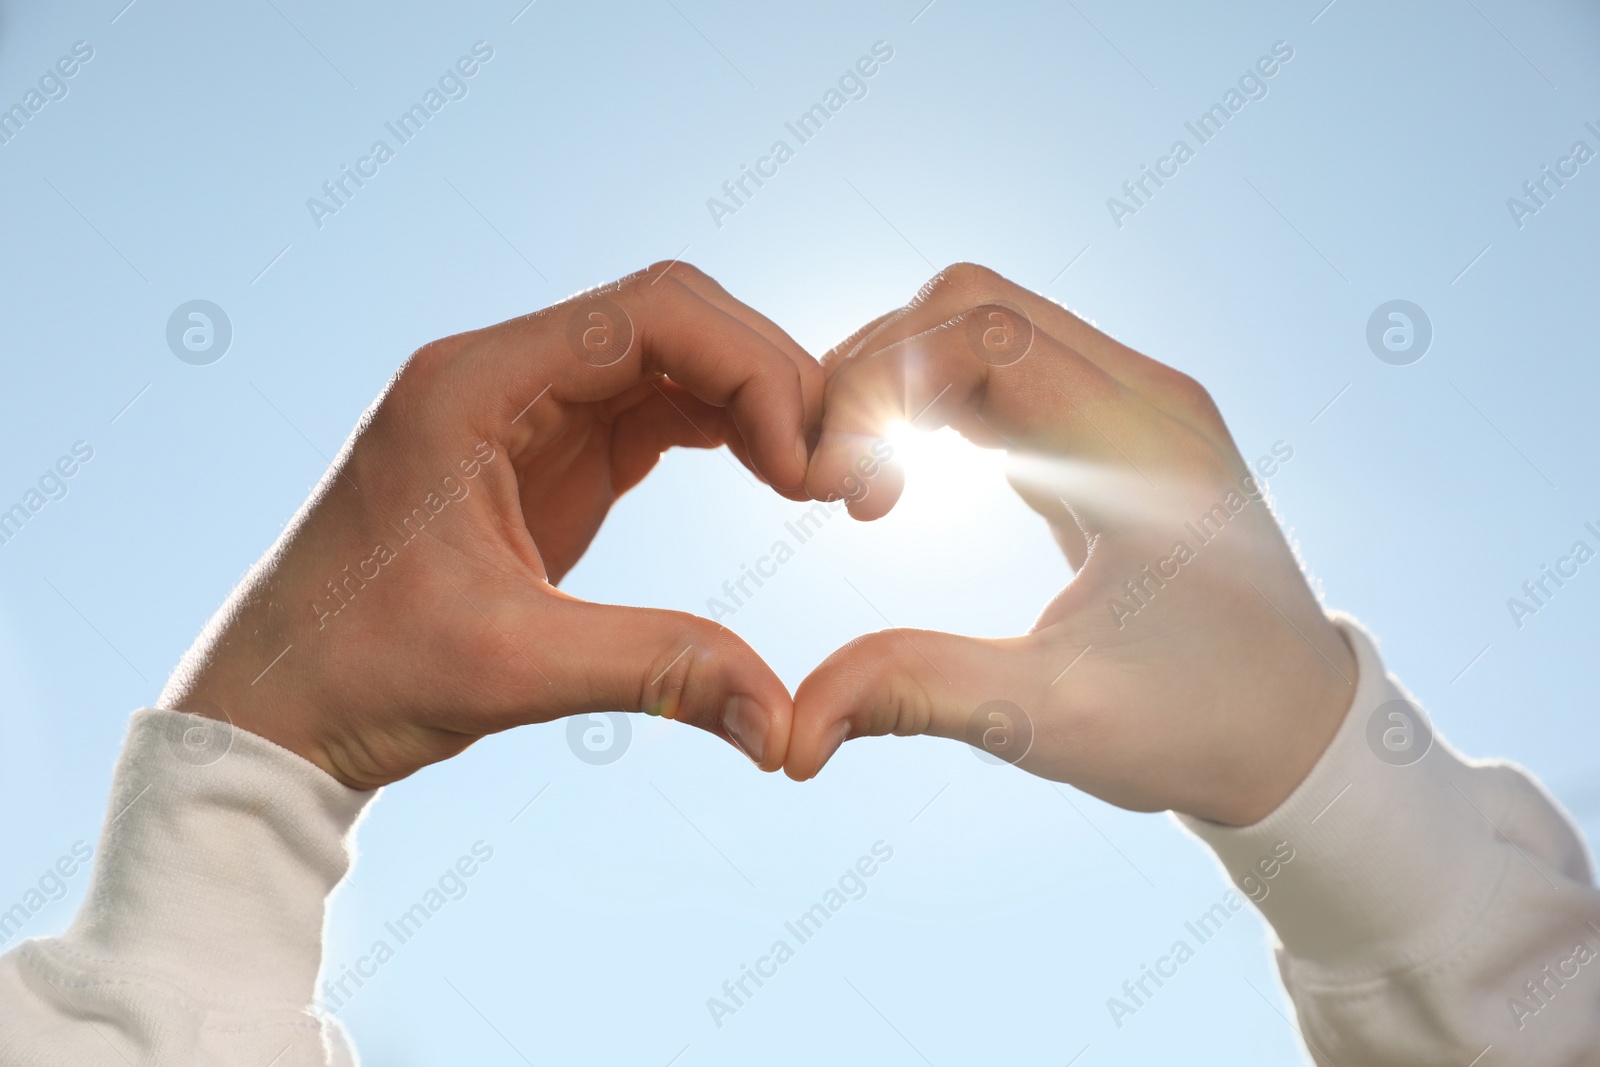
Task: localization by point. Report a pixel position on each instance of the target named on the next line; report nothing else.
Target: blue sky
(1377, 166)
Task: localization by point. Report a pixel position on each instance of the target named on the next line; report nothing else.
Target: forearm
(200, 937)
(1431, 909)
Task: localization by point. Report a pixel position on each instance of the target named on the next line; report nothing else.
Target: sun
(945, 473)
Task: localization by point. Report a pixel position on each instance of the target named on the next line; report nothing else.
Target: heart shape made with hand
(435, 618)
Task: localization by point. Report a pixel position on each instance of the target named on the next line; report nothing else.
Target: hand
(412, 598)
(1200, 673)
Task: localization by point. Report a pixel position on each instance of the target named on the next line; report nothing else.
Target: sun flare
(944, 471)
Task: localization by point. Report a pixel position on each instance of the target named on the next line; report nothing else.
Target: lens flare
(945, 473)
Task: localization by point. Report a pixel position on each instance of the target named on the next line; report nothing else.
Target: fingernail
(831, 743)
(746, 722)
(801, 452)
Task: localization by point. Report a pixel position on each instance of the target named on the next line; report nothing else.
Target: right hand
(504, 449)
(1212, 692)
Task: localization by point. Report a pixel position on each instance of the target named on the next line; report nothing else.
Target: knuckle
(684, 670)
(683, 271)
(1188, 387)
(422, 372)
(1195, 398)
(968, 281)
(896, 699)
(657, 289)
(969, 274)
(434, 356)
(665, 678)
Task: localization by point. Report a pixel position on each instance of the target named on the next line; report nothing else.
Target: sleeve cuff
(216, 860)
(1386, 854)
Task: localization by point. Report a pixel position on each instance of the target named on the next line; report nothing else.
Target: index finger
(603, 342)
(963, 288)
(811, 378)
(1055, 401)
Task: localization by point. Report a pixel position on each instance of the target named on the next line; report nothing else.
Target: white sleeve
(1431, 909)
(200, 936)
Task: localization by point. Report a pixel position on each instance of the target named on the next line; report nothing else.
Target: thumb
(909, 682)
(601, 657)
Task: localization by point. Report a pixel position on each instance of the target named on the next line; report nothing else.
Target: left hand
(410, 607)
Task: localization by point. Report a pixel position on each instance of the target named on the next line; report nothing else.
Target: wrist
(277, 716)
(248, 672)
(1310, 713)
